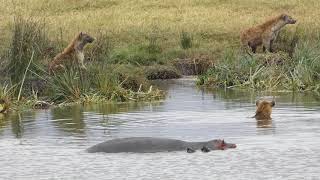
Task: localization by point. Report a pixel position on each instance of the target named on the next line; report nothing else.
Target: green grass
(106, 79)
(294, 70)
(135, 38)
(214, 24)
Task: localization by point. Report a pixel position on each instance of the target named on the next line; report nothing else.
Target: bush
(161, 72)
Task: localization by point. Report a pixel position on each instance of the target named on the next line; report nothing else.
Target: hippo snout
(225, 145)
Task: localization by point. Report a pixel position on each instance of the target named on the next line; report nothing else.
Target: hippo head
(219, 144)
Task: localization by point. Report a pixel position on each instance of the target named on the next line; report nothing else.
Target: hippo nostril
(233, 146)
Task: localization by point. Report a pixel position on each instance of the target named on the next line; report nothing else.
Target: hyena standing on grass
(74, 52)
(265, 33)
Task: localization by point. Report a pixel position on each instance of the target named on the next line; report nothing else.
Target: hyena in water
(265, 34)
(264, 109)
(74, 52)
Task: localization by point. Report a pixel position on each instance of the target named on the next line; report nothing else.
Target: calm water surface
(50, 144)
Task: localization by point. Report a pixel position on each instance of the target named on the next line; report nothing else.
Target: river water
(50, 144)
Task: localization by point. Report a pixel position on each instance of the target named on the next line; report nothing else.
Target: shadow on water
(73, 119)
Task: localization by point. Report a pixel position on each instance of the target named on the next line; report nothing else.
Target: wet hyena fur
(264, 109)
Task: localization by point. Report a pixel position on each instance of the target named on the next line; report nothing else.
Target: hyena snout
(89, 39)
(289, 19)
(86, 38)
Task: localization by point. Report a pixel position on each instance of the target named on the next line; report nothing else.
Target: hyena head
(264, 109)
(288, 19)
(85, 38)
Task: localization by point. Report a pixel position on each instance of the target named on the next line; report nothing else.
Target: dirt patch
(161, 72)
(193, 65)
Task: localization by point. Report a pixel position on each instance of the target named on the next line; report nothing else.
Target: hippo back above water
(152, 145)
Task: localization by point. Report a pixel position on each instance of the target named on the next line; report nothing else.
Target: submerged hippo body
(152, 145)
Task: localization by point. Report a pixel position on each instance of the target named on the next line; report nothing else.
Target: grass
(27, 82)
(293, 70)
(214, 25)
(135, 38)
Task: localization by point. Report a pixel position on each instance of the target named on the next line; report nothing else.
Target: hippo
(153, 145)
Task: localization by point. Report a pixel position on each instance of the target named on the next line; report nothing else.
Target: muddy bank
(193, 65)
(161, 72)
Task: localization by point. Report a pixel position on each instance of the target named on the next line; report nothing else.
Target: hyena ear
(81, 33)
(273, 103)
(284, 16)
(257, 102)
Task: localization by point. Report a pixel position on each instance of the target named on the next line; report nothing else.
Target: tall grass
(31, 50)
(185, 40)
(103, 83)
(294, 70)
(29, 40)
(147, 33)
(214, 23)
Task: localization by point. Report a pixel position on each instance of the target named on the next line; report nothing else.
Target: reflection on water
(69, 119)
(267, 123)
(52, 142)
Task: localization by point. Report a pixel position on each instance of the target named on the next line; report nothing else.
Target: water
(50, 144)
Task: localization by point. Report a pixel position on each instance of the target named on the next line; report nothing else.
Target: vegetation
(27, 83)
(140, 40)
(295, 68)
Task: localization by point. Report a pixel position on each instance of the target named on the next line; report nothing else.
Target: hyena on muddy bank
(265, 34)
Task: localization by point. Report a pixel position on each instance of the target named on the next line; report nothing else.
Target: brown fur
(265, 34)
(5, 106)
(264, 109)
(73, 52)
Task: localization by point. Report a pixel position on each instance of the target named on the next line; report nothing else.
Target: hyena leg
(253, 47)
(80, 58)
(270, 48)
(266, 46)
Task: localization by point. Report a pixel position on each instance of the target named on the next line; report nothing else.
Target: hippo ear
(273, 103)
